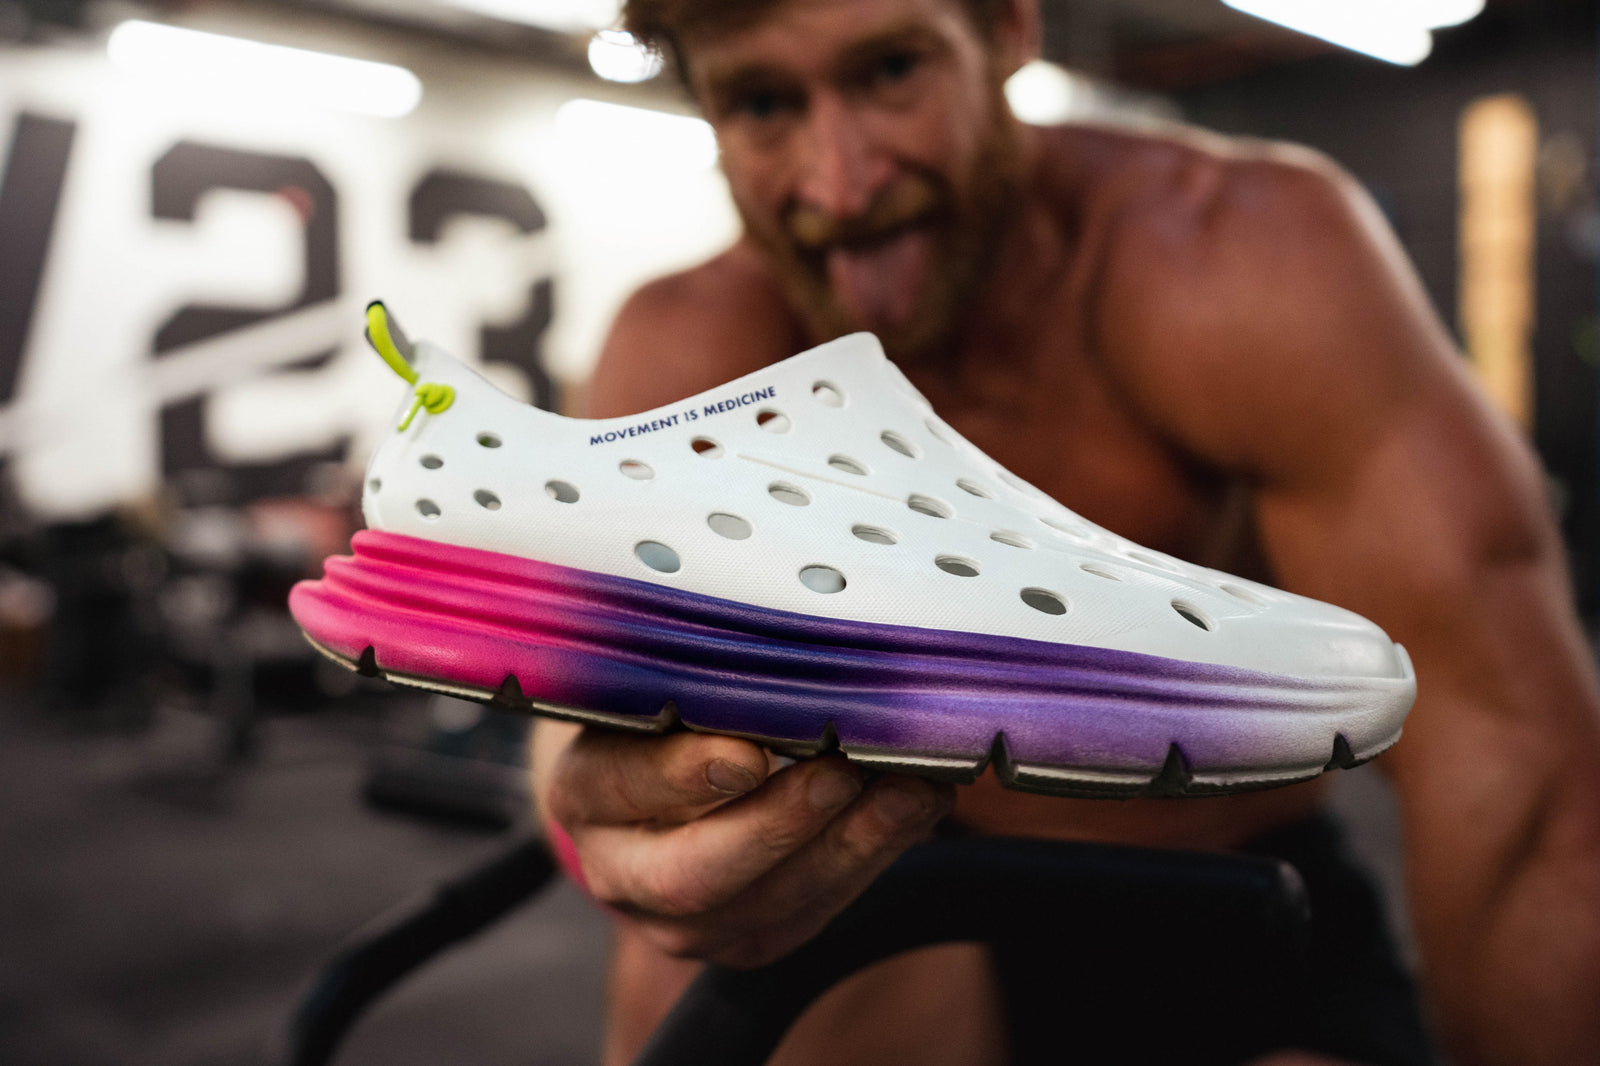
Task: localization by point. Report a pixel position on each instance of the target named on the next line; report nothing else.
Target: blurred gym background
(194, 810)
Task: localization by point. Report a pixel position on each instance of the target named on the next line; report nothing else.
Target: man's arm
(1271, 326)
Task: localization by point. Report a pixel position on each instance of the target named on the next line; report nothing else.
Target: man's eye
(758, 105)
(897, 65)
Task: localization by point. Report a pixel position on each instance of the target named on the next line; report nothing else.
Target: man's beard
(963, 235)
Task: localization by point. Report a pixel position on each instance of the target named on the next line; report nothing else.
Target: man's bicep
(1407, 517)
(1441, 535)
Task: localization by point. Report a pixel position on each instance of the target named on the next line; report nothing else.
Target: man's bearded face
(872, 159)
(908, 267)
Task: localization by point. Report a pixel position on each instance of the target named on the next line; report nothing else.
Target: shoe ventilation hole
(972, 488)
(489, 440)
(375, 484)
(828, 394)
(1063, 527)
(1100, 571)
(899, 444)
(1236, 592)
(635, 469)
(1151, 560)
(431, 462)
(1044, 600)
(561, 491)
(729, 525)
(1006, 536)
(874, 534)
(848, 465)
(428, 509)
(955, 564)
(487, 500)
(773, 421)
(1192, 615)
(657, 556)
(706, 446)
(822, 579)
(929, 506)
(939, 434)
(792, 495)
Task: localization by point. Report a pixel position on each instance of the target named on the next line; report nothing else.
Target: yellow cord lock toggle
(432, 398)
(392, 346)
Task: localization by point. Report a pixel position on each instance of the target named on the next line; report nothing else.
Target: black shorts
(1191, 999)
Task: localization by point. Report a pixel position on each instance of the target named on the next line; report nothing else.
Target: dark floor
(154, 910)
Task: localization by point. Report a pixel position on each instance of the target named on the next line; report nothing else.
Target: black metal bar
(367, 968)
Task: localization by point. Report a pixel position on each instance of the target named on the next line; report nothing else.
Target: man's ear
(1018, 34)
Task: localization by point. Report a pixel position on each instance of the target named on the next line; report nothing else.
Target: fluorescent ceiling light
(267, 73)
(563, 16)
(619, 137)
(1392, 30)
(616, 56)
(1043, 93)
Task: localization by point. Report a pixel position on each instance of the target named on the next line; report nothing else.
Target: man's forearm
(1506, 890)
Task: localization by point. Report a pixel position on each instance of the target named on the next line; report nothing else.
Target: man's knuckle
(858, 841)
(783, 835)
(673, 891)
(623, 887)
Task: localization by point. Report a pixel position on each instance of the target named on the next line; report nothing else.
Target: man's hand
(713, 854)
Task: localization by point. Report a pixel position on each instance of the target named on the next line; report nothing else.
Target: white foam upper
(831, 427)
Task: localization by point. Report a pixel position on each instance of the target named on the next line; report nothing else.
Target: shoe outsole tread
(1174, 779)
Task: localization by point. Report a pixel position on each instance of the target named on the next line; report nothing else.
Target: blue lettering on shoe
(686, 415)
(740, 400)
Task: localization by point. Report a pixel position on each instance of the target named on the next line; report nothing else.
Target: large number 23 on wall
(189, 170)
(30, 193)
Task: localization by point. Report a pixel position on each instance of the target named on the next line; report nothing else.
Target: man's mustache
(899, 205)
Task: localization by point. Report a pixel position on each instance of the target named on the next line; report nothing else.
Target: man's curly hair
(663, 25)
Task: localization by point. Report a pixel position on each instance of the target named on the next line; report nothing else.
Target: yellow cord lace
(391, 345)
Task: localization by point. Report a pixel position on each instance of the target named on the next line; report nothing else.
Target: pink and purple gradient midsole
(581, 639)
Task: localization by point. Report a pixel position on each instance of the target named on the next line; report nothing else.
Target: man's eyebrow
(911, 34)
(732, 80)
(722, 84)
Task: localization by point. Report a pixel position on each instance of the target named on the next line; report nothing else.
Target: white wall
(81, 431)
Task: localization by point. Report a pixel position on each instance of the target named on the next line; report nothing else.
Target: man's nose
(843, 169)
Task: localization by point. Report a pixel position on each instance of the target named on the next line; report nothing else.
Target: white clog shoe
(809, 557)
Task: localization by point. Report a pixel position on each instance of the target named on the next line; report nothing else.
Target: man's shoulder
(1232, 278)
(1171, 181)
(691, 330)
(1186, 230)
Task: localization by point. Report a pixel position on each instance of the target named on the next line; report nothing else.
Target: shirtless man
(1214, 348)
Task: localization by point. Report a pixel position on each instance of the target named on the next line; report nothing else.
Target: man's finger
(694, 869)
(610, 778)
(817, 882)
